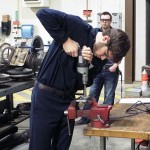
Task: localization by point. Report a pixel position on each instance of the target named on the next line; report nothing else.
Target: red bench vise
(98, 114)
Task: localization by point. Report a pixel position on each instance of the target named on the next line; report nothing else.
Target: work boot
(25, 135)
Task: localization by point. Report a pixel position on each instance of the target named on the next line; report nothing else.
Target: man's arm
(61, 25)
(69, 30)
(51, 20)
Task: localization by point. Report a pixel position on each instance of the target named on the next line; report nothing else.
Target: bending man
(58, 79)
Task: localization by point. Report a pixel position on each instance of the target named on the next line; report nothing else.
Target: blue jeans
(107, 79)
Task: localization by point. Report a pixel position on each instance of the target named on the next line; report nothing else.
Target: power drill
(82, 68)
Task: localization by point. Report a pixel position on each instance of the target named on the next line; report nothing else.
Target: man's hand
(102, 39)
(71, 47)
(114, 67)
(87, 53)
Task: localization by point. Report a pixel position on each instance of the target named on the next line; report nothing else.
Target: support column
(130, 30)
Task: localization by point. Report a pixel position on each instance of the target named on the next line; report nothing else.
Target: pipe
(86, 9)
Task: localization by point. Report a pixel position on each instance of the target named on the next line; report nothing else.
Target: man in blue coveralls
(58, 79)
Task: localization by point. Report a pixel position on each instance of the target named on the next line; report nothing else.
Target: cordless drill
(82, 68)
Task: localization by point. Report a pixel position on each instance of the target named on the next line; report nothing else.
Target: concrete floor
(80, 142)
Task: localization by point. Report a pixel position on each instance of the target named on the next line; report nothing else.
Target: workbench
(7, 90)
(123, 125)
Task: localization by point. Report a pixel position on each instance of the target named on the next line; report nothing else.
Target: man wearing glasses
(108, 74)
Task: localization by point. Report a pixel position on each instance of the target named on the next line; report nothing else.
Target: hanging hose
(121, 87)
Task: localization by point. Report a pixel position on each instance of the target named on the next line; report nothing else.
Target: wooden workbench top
(124, 125)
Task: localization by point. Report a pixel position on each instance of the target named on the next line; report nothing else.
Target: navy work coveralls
(48, 123)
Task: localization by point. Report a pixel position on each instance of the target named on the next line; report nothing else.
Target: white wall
(140, 56)
(27, 16)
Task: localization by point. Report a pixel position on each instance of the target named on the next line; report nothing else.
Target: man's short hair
(119, 44)
(106, 13)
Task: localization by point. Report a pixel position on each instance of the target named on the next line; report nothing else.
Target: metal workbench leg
(102, 143)
(9, 101)
(149, 145)
(132, 144)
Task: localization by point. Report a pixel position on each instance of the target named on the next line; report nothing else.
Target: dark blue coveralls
(58, 73)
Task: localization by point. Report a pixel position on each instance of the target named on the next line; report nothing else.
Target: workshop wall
(6, 9)
(26, 15)
(140, 55)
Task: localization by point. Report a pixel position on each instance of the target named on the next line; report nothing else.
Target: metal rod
(121, 88)
(84, 92)
(66, 113)
(132, 144)
(87, 9)
(102, 143)
(149, 145)
(69, 132)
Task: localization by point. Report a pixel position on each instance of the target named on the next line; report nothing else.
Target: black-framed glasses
(105, 20)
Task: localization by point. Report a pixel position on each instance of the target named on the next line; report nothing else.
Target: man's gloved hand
(71, 47)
